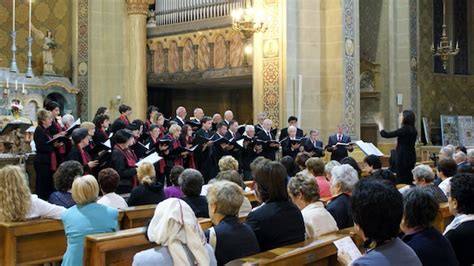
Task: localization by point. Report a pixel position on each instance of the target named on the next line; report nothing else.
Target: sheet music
(368, 148)
(108, 144)
(152, 158)
(193, 147)
(147, 146)
(347, 245)
(240, 142)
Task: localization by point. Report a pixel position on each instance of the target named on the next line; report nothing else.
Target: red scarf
(191, 162)
(174, 145)
(54, 160)
(85, 158)
(124, 119)
(103, 133)
(131, 161)
(62, 149)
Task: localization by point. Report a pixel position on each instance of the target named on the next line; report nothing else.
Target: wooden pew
(320, 251)
(443, 218)
(137, 216)
(251, 196)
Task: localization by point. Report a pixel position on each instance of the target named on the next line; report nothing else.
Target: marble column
(136, 94)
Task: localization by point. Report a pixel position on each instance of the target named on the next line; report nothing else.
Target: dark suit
(339, 152)
(233, 240)
(405, 154)
(236, 152)
(269, 153)
(284, 133)
(206, 163)
(277, 224)
(75, 155)
(317, 147)
(199, 205)
(258, 128)
(340, 209)
(287, 150)
(42, 164)
(178, 121)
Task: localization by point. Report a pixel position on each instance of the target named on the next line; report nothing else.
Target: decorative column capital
(138, 7)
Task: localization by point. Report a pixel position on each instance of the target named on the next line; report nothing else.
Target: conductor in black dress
(405, 155)
(338, 151)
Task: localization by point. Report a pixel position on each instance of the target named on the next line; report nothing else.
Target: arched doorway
(57, 98)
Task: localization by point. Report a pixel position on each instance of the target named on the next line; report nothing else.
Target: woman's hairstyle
(124, 108)
(174, 174)
(345, 176)
(123, 135)
(423, 171)
(330, 165)
(448, 166)
(462, 190)
(419, 208)
(228, 163)
(315, 165)
(100, 111)
(108, 180)
(152, 127)
(301, 159)
(150, 110)
(290, 165)
(15, 197)
(184, 133)
(42, 115)
(174, 128)
(373, 161)
(377, 208)
(138, 122)
(79, 134)
(85, 189)
(305, 185)
(51, 105)
(88, 125)
(271, 181)
(386, 176)
(255, 162)
(227, 197)
(100, 119)
(65, 174)
(231, 176)
(191, 182)
(408, 118)
(146, 173)
(352, 162)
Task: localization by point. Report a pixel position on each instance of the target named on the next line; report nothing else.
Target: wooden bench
(137, 216)
(318, 251)
(443, 218)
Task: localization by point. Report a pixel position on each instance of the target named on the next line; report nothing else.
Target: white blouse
(113, 200)
(43, 209)
(317, 220)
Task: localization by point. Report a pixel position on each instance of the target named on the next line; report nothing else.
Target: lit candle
(16, 85)
(457, 45)
(29, 19)
(23, 87)
(13, 15)
(8, 82)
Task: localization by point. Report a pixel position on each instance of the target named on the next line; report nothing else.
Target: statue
(49, 45)
(151, 19)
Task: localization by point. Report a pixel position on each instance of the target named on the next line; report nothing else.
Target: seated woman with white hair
(175, 228)
(423, 176)
(304, 192)
(343, 179)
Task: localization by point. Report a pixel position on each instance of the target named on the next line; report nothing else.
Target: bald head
(216, 118)
(181, 112)
(292, 132)
(267, 124)
(198, 113)
(228, 115)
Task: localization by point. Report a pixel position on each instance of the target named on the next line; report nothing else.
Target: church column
(136, 93)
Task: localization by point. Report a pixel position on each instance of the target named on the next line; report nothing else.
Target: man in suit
(313, 145)
(228, 116)
(250, 151)
(289, 149)
(205, 153)
(198, 115)
(260, 117)
(232, 134)
(338, 152)
(220, 149)
(216, 119)
(266, 135)
(232, 130)
(180, 116)
(292, 121)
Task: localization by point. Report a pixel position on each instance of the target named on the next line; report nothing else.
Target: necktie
(269, 136)
(339, 139)
(314, 144)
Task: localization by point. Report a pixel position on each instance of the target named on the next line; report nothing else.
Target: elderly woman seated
(460, 232)
(423, 176)
(179, 236)
(328, 168)
(343, 179)
(234, 177)
(304, 192)
(191, 182)
(63, 179)
(315, 167)
(419, 213)
(377, 208)
(17, 203)
(229, 238)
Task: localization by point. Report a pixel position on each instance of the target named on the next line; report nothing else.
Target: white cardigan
(317, 220)
(43, 209)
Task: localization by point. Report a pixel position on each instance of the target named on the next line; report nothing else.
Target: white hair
(460, 157)
(330, 165)
(470, 153)
(344, 175)
(67, 119)
(423, 171)
(249, 127)
(448, 151)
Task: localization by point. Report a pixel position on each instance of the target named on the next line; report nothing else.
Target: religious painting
(236, 50)
(450, 130)
(159, 59)
(173, 58)
(466, 137)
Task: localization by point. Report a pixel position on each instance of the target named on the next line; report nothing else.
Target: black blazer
(178, 121)
(119, 163)
(309, 147)
(284, 133)
(75, 155)
(286, 149)
(340, 209)
(43, 150)
(146, 194)
(405, 155)
(199, 205)
(277, 224)
(461, 239)
(339, 152)
(269, 154)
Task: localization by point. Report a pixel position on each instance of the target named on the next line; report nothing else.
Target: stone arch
(204, 54)
(220, 52)
(173, 57)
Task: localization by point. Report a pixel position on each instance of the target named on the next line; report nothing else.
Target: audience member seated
(470, 157)
(278, 222)
(234, 177)
(191, 182)
(447, 168)
(377, 208)
(344, 177)
(461, 159)
(148, 191)
(108, 181)
(290, 165)
(17, 203)
(174, 191)
(423, 176)
(229, 238)
(446, 152)
(419, 213)
(372, 163)
(85, 218)
(315, 167)
(63, 179)
(460, 232)
(304, 192)
(180, 238)
(352, 162)
(328, 168)
(225, 163)
(386, 175)
(301, 159)
(465, 168)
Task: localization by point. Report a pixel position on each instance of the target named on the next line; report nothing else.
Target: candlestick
(16, 85)
(29, 69)
(8, 82)
(13, 27)
(29, 20)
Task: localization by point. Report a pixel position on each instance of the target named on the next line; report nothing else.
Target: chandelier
(445, 46)
(248, 20)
